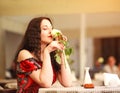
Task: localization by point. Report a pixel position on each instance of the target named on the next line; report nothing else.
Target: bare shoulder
(24, 54)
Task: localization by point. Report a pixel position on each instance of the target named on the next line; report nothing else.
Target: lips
(50, 36)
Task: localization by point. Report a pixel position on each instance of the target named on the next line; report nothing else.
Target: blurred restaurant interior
(91, 26)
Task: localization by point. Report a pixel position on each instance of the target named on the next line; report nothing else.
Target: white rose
(55, 33)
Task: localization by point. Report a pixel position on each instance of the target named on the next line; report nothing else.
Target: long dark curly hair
(31, 40)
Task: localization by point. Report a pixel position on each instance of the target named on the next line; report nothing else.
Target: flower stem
(65, 59)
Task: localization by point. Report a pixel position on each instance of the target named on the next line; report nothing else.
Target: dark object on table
(8, 86)
(8, 91)
(88, 85)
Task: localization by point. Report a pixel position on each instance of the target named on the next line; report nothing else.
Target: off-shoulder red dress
(24, 69)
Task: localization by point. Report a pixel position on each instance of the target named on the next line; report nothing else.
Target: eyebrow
(46, 26)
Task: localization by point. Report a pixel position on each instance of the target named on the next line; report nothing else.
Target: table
(79, 89)
(8, 91)
(8, 86)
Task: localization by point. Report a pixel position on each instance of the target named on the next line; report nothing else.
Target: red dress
(24, 69)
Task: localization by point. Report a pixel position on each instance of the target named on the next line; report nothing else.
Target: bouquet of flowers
(57, 35)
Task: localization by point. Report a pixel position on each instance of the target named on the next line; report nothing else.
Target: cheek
(42, 37)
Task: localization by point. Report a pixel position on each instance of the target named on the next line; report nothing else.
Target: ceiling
(48, 7)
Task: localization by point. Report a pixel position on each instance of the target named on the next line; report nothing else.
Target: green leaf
(68, 51)
(58, 59)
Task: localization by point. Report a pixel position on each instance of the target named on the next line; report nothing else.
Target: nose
(50, 30)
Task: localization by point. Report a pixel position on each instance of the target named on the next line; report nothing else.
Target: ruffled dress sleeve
(24, 68)
(27, 66)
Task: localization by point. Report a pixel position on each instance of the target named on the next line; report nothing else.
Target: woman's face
(111, 61)
(46, 28)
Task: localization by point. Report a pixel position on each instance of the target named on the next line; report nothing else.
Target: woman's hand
(55, 45)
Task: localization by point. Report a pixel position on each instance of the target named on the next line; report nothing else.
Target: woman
(36, 66)
(110, 66)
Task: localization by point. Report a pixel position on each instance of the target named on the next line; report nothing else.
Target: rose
(55, 33)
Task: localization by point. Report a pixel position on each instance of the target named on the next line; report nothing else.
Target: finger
(64, 38)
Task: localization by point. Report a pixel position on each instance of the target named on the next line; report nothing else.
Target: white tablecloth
(79, 89)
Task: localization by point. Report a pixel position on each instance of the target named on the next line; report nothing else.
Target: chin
(49, 41)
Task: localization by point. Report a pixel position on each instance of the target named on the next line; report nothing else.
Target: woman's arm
(64, 75)
(44, 75)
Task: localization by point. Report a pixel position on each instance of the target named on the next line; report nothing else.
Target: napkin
(111, 79)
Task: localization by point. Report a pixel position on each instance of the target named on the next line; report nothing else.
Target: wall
(11, 24)
(12, 42)
(7, 25)
(2, 56)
